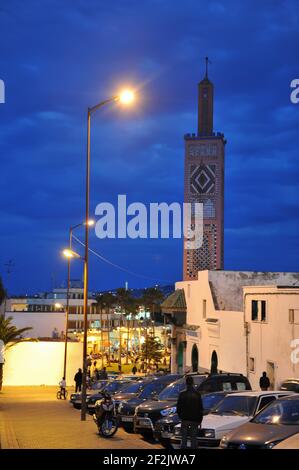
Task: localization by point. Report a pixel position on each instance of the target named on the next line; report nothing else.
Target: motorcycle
(105, 417)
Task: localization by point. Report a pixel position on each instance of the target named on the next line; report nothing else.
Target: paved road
(32, 418)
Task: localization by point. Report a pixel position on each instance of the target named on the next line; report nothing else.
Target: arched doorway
(214, 363)
(194, 358)
(180, 357)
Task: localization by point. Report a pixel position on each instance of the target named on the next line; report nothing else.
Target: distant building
(204, 183)
(236, 321)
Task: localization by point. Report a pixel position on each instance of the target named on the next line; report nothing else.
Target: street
(32, 418)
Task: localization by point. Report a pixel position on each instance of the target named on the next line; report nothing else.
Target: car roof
(250, 393)
(290, 380)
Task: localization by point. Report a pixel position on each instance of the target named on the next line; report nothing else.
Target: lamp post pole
(67, 305)
(126, 97)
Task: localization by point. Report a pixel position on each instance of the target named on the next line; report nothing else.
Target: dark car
(114, 387)
(75, 398)
(126, 409)
(164, 427)
(147, 414)
(278, 421)
(291, 385)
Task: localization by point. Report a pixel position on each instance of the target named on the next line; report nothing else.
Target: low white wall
(41, 363)
(42, 323)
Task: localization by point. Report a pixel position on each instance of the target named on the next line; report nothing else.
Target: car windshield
(151, 389)
(133, 388)
(236, 405)
(290, 385)
(99, 385)
(172, 391)
(210, 400)
(115, 386)
(279, 412)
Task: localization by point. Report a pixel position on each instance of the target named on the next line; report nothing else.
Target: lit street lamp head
(126, 96)
(70, 254)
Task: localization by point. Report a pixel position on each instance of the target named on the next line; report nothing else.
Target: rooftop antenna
(207, 66)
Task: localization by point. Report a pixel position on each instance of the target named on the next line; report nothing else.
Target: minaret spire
(205, 104)
(207, 66)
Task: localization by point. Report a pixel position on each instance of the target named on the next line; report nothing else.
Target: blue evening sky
(58, 57)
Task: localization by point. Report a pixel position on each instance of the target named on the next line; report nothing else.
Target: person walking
(264, 382)
(134, 370)
(103, 374)
(190, 411)
(78, 380)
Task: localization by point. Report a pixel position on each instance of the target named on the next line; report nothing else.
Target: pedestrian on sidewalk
(62, 385)
(103, 374)
(190, 411)
(78, 380)
(264, 382)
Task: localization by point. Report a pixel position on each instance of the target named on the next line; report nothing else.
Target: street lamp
(125, 97)
(70, 254)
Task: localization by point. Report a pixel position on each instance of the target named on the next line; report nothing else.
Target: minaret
(205, 104)
(204, 183)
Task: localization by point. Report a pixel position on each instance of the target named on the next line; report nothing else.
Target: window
(204, 308)
(251, 364)
(241, 386)
(254, 310)
(263, 310)
(265, 401)
(291, 315)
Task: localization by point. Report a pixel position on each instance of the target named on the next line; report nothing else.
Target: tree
(10, 335)
(151, 299)
(105, 301)
(152, 350)
(2, 292)
(129, 307)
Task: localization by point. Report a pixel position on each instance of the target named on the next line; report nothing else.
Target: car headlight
(168, 411)
(270, 445)
(177, 430)
(209, 432)
(224, 443)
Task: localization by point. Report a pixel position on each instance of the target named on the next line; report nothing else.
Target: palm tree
(128, 308)
(2, 292)
(152, 298)
(10, 335)
(106, 301)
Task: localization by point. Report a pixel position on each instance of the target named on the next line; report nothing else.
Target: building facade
(204, 183)
(236, 321)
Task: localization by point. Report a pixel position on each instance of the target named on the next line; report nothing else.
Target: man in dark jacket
(78, 380)
(264, 382)
(190, 411)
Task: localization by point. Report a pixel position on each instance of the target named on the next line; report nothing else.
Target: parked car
(126, 409)
(233, 411)
(277, 422)
(164, 427)
(112, 388)
(75, 398)
(148, 413)
(291, 385)
(289, 443)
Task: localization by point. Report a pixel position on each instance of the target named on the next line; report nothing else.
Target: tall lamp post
(69, 254)
(126, 97)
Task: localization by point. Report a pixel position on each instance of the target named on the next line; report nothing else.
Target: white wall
(42, 323)
(41, 363)
(226, 336)
(271, 340)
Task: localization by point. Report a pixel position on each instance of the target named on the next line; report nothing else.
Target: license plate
(144, 422)
(127, 419)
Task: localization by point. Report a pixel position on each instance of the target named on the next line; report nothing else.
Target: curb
(8, 438)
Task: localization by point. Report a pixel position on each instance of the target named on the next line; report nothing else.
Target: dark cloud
(57, 58)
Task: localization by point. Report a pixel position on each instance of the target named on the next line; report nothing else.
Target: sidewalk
(32, 418)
